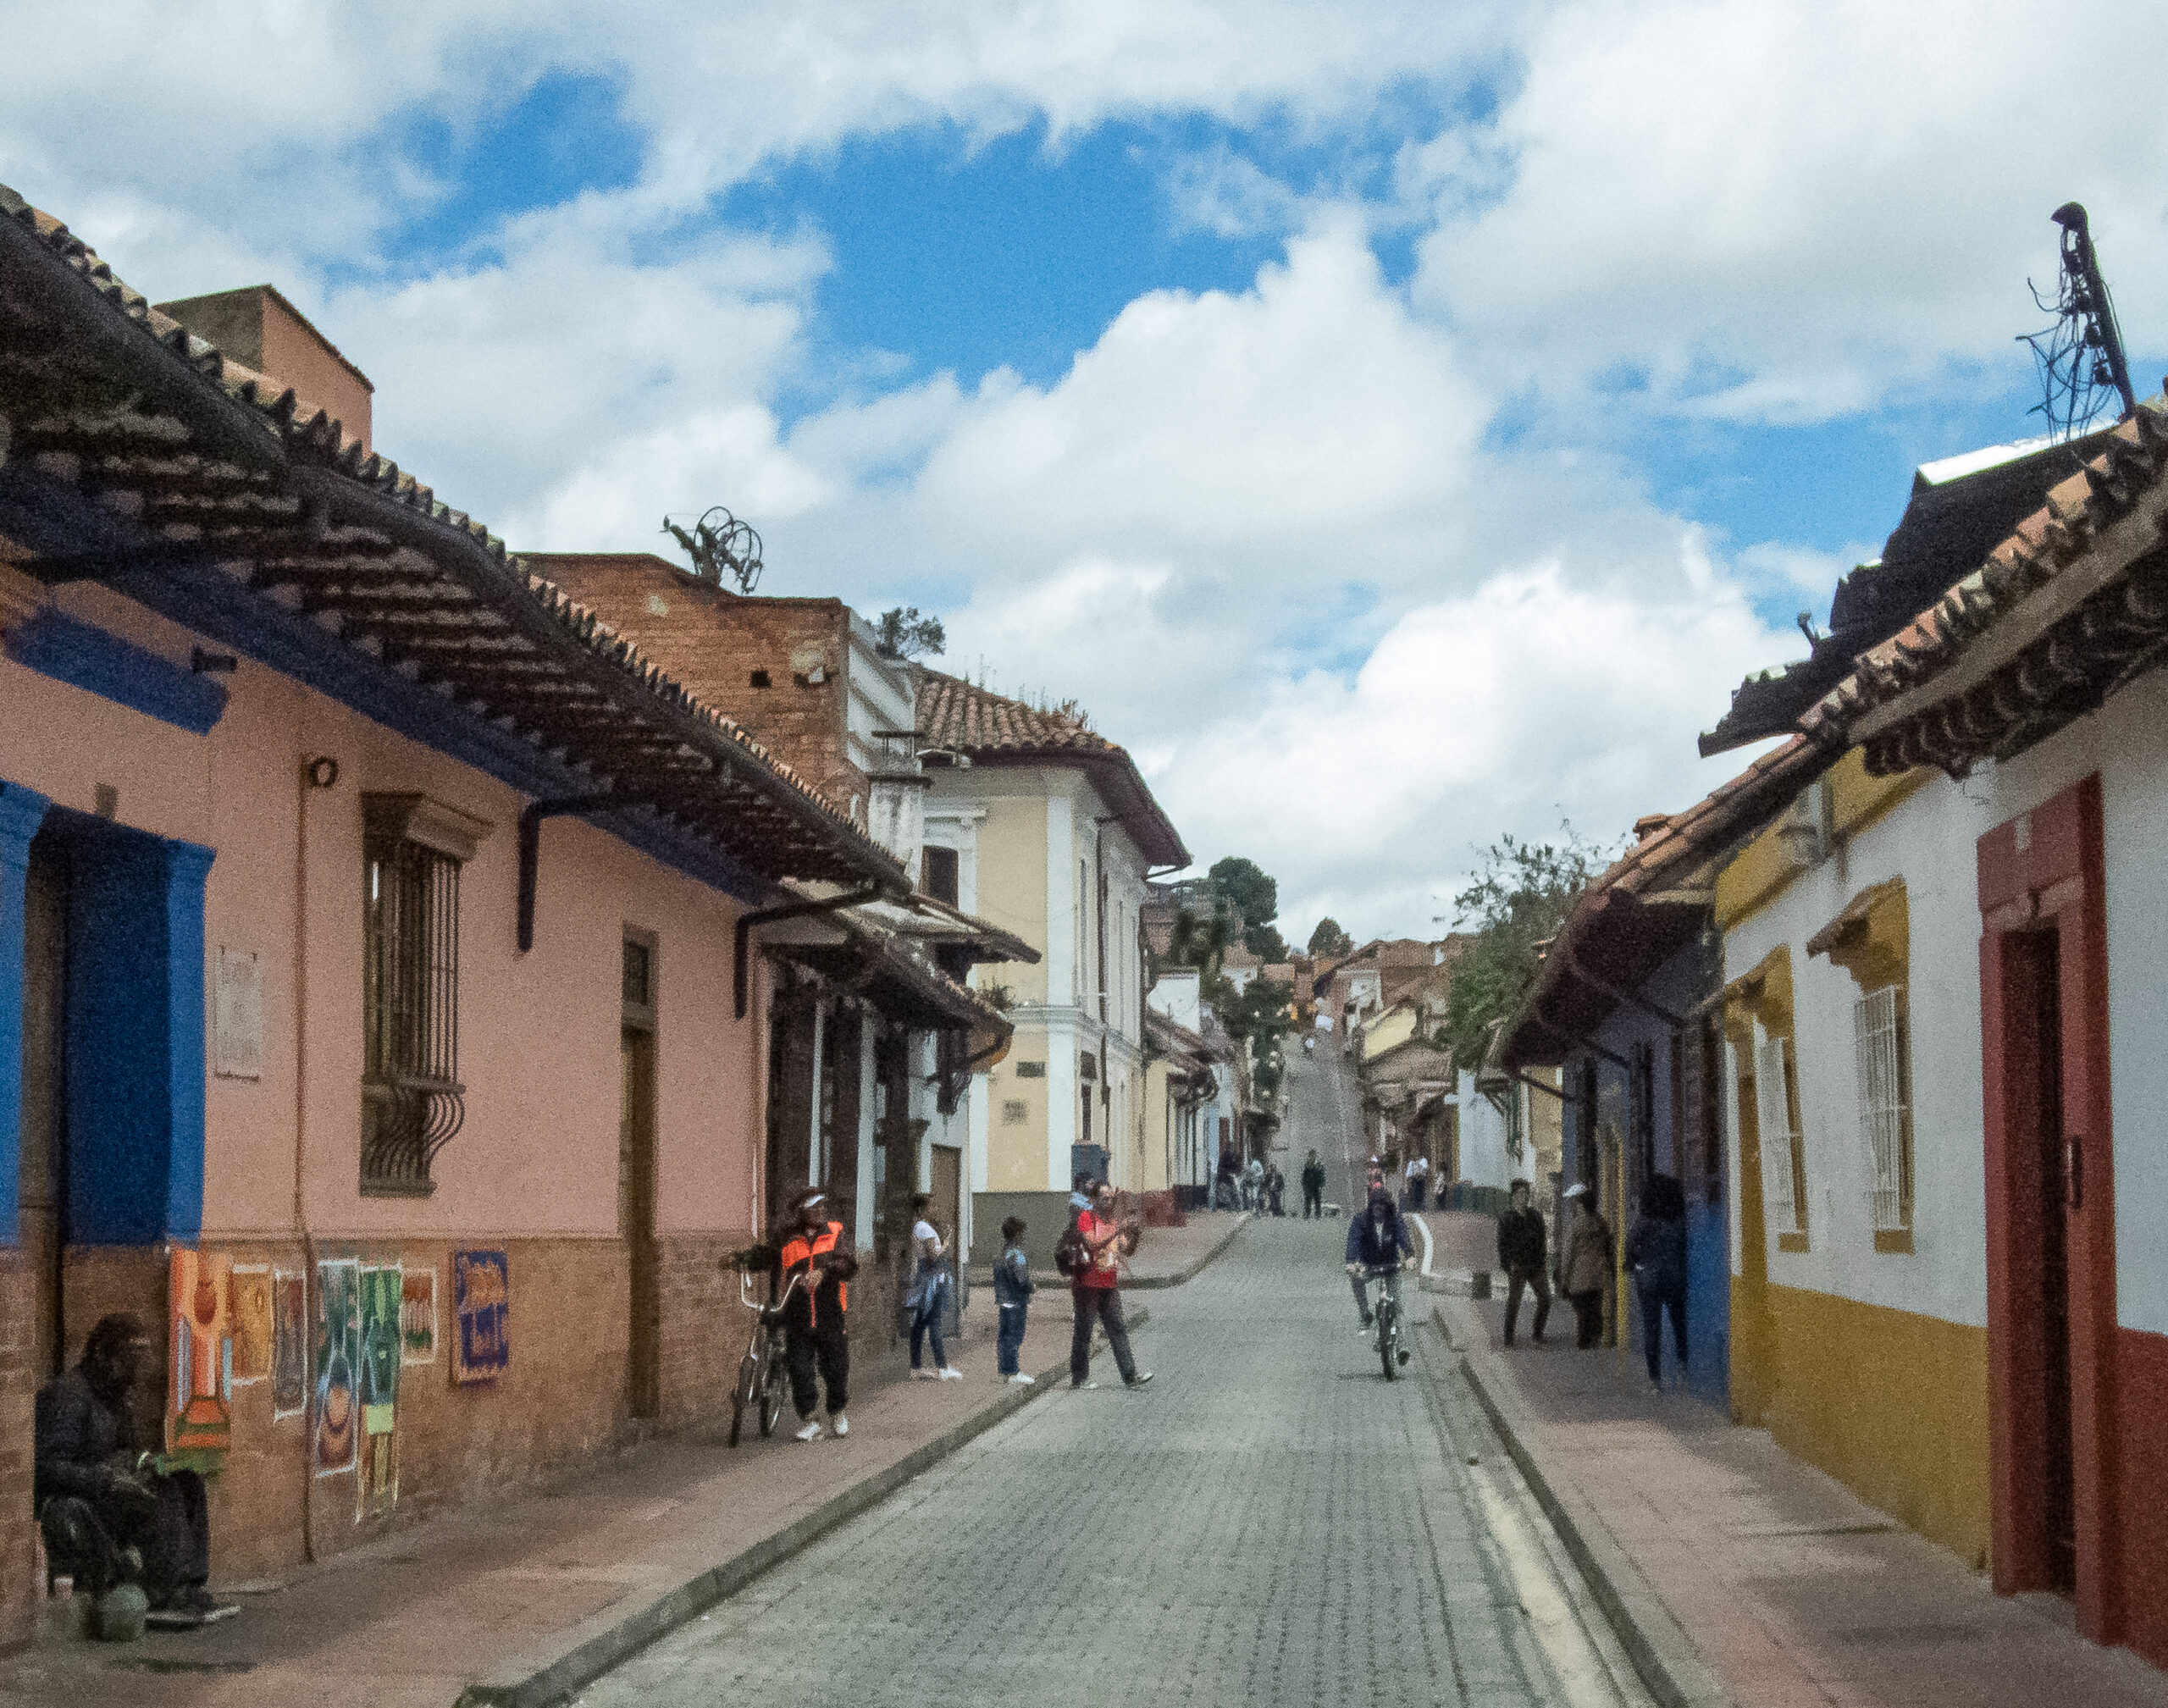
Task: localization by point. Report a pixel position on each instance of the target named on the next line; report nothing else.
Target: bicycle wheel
(771, 1395)
(741, 1396)
(1388, 1341)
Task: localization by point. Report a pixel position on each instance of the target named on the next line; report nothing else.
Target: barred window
(412, 1102)
(1885, 1104)
(1772, 1108)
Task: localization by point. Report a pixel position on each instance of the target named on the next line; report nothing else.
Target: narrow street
(1269, 1522)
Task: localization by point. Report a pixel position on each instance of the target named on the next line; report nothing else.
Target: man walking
(1520, 1255)
(1312, 1188)
(1096, 1295)
(815, 1334)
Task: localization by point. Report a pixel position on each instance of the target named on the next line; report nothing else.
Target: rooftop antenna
(720, 544)
(2081, 355)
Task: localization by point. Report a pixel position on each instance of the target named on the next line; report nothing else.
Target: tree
(902, 632)
(1329, 942)
(1516, 902)
(1254, 897)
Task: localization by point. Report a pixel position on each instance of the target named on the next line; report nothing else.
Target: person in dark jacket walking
(1312, 1188)
(1520, 1255)
(1012, 1297)
(1656, 1251)
(108, 1518)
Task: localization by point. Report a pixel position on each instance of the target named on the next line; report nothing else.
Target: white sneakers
(949, 1373)
(1019, 1380)
(840, 1425)
(811, 1432)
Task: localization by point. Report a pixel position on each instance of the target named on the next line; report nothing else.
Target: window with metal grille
(412, 1102)
(1772, 1110)
(1885, 1110)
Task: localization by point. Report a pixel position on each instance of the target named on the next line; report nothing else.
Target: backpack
(1070, 1254)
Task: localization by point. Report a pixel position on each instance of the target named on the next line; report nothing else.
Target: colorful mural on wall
(200, 1415)
(289, 1343)
(417, 1316)
(381, 1306)
(251, 1322)
(481, 1313)
(337, 1422)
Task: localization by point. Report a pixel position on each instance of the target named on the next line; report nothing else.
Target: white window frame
(1878, 1049)
(1772, 1110)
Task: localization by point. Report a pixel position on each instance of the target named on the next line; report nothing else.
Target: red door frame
(2044, 871)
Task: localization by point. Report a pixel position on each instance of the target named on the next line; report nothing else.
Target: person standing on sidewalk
(1312, 1188)
(927, 1300)
(1097, 1294)
(1520, 1255)
(1417, 1180)
(1012, 1296)
(1656, 1251)
(1584, 1268)
(815, 1334)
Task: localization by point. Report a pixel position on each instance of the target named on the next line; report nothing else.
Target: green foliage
(1515, 904)
(902, 632)
(1255, 895)
(1329, 941)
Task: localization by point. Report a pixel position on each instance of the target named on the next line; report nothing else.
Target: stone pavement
(1269, 1522)
(1784, 1585)
(409, 1622)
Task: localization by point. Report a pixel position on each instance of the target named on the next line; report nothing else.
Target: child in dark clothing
(1012, 1294)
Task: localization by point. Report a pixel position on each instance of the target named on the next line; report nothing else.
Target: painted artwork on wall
(337, 1423)
(381, 1305)
(289, 1343)
(417, 1316)
(200, 1416)
(481, 1316)
(251, 1296)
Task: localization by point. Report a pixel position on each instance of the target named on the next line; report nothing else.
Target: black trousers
(169, 1527)
(1516, 1282)
(1313, 1202)
(1099, 1305)
(1588, 1319)
(825, 1346)
(1654, 1306)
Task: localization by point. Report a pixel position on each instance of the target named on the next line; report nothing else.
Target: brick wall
(704, 1330)
(18, 1585)
(713, 642)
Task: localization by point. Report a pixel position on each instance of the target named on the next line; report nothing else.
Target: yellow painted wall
(1153, 1139)
(1856, 800)
(1764, 865)
(1396, 1026)
(1891, 1404)
(1012, 891)
(1016, 1151)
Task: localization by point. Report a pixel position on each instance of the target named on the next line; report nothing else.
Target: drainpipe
(530, 853)
(741, 940)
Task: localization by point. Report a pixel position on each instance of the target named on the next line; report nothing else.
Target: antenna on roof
(717, 543)
(2081, 355)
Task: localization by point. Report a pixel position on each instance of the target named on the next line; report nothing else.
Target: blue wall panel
(21, 811)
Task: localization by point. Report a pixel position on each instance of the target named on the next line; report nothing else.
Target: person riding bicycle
(1379, 1244)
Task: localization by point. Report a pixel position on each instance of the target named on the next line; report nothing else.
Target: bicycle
(1391, 1354)
(763, 1379)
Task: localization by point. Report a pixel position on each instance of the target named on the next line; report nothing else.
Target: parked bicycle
(763, 1378)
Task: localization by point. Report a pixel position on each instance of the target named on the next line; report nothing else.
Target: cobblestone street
(1269, 1522)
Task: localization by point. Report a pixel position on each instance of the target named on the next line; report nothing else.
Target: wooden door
(636, 1220)
(946, 1187)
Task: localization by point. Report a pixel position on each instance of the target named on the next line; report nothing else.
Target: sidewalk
(521, 1602)
(1739, 1574)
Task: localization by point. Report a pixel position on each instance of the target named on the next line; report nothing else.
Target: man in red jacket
(1096, 1294)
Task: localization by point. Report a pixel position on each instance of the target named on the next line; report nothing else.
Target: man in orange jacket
(815, 1333)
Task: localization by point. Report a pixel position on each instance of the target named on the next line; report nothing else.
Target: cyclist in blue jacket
(1378, 1240)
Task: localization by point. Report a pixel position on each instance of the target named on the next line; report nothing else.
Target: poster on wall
(381, 1305)
(289, 1343)
(481, 1316)
(200, 1416)
(337, 1424)
(251, 1296)
(417, 1316)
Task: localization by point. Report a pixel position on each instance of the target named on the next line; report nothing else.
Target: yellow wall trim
(1891, 1404)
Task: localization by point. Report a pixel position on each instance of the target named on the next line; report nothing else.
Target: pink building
(368, 922)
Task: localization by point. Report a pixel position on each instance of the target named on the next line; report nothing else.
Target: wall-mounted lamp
(212, 663)
(323, 772)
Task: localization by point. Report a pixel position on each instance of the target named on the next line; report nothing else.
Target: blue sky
(1397, 426)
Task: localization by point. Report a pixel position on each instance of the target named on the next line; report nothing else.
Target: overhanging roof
(137, 455)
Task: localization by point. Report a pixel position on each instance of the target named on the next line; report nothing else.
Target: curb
(1669, 1665)
(1153, 1283)
(593, 1648)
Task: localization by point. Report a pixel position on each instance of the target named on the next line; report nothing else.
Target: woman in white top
(1418, 1180)
(927, 1299)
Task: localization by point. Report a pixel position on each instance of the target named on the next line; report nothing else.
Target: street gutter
(1663, 1654)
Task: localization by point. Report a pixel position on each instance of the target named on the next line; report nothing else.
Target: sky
(1397, 424)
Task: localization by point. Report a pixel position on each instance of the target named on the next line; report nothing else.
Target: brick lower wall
(18, 1584)
(704, 1330)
